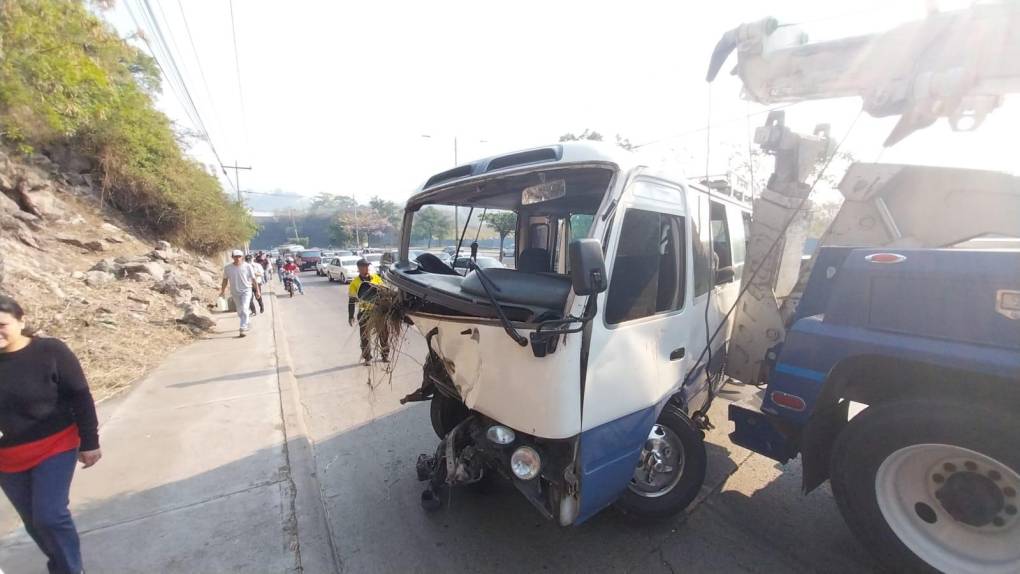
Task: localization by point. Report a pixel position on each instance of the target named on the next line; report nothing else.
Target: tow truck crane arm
(957, 65)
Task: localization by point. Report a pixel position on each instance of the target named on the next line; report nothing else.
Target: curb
(309, 523)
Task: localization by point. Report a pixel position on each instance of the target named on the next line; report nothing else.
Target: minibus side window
(721, 237)
(738, 239)
(701, 252)
(539, 236)
(648, 270)
(580, 225)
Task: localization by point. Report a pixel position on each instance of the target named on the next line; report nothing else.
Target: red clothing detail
(290, 267)
(25, 456)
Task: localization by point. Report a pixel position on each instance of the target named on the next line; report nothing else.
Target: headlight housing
(501, 435)
(525, 463)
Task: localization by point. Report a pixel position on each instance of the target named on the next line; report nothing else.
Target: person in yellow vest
(361, 293)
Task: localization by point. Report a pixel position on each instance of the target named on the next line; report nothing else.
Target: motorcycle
(288, 283)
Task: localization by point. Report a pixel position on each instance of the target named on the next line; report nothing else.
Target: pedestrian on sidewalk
(361, 293)
(240, 277)
(259, 280)
(47, 423)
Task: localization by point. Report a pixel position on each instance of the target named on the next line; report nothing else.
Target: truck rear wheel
(670, 471)
(932, 485)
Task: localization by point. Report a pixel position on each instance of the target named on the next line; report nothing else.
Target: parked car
(324, 259)
(308, 259)
(482, 261)
(391, 257)
(345, 268)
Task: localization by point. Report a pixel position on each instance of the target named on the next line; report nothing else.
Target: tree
(340, 234)
(348, 228)
(332, 203)
(592, 135)
(388, 210)
(821, 215)
(504, 223)
(70, 86)
(431, 223)
(587, 134)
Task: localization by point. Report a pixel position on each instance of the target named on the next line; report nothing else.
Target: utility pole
(456, 210)
(237, 176)
(357, 227)
(294, 225)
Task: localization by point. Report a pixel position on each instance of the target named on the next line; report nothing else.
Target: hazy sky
(337, 95)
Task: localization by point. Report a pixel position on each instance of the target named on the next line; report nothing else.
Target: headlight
(525, 463)
(501, 435)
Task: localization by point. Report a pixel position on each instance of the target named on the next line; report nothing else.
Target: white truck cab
(591, 355)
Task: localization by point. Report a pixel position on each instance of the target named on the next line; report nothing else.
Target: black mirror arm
(507, 325)
(591, 309)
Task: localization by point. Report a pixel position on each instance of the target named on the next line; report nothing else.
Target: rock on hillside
(119, 299)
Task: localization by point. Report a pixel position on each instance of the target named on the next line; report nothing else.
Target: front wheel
(446, 413)
(671, 469)
(932, 485)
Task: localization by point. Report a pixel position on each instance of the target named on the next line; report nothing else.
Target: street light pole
(456, 210)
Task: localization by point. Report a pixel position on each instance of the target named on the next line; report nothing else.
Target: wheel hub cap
(971, 498)
(660, 465)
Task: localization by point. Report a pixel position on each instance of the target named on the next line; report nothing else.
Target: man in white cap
(240, 277)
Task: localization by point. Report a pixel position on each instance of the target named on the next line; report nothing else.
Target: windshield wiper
(460, 240)
(488, 286)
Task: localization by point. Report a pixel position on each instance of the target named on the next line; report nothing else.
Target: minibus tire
(686, 489)
(446, 413)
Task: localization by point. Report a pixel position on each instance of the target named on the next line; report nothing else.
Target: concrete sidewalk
(196, 474)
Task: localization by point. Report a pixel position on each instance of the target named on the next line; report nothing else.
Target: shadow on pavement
(372, 499)
(329, 370)
(231, 377)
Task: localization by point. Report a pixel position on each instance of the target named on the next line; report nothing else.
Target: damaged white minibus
(583, 374)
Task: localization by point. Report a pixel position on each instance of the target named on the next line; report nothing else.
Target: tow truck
(896, 313)
(889, 360)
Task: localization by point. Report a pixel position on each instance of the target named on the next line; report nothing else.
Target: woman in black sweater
(47, 423)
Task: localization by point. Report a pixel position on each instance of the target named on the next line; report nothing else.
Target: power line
(201, 71)
(172, 73)
(706, 128)
(237, 69)
(174, 87)
(172, 62)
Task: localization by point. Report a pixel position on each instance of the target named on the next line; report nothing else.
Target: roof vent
(450, 174)
(524, 157)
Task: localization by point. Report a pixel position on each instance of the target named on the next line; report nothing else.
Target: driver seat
(534, 260)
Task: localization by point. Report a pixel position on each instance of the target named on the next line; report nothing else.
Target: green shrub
(67, 79)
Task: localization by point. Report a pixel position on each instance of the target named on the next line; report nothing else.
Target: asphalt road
(751, 516)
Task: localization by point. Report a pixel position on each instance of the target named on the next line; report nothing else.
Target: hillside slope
(114, 294)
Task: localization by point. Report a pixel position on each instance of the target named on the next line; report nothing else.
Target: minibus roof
(550, 157)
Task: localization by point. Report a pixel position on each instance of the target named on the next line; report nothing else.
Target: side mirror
(725, 275)
(587, 267)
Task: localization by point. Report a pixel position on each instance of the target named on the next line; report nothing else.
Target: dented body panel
(505, 381)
